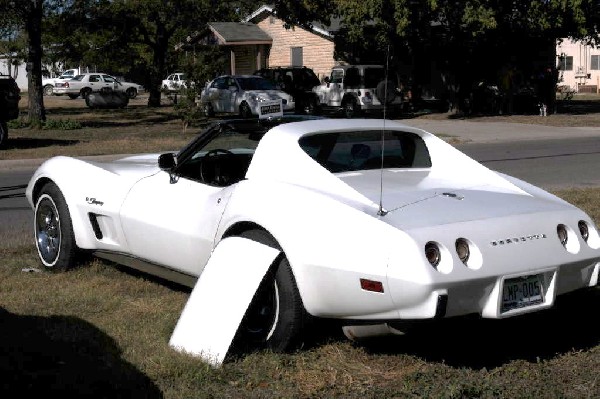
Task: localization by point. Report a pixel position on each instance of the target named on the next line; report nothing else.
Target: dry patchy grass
(101, 331)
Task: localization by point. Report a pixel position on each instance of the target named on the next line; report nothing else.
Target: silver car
(242, 94)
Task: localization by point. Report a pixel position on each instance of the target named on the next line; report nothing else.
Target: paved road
(545, 156)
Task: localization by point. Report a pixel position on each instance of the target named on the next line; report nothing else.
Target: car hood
(133, 167)
(268, 94)
(413, 199)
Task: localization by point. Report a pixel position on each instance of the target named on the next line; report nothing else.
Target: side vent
(95, 225)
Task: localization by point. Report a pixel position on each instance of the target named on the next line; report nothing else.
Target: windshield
(255, 83)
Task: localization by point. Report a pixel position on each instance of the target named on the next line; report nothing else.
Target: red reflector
(371, 285)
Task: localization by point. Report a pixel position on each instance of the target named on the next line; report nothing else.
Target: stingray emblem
(518, 240)
(93, 201)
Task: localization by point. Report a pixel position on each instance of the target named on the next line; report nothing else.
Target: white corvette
(376, 223)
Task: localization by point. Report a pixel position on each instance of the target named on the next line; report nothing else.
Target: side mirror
(167, 162)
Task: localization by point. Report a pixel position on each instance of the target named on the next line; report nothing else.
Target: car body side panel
(88, 189)
(173, 223)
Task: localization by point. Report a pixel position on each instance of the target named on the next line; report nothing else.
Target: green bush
(61, 124)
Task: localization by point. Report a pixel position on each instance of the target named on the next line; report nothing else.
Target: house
(296, 46)
(578, 66)
(262, 40)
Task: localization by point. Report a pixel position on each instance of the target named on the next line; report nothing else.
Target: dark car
(297, 81)
(9, 104)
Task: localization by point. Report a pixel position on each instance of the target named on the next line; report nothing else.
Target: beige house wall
(582, 65)
(317, 50)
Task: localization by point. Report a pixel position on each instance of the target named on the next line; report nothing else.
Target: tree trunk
(33, 26)
(160, 47)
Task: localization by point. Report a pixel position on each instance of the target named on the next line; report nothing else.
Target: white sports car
(374, 223)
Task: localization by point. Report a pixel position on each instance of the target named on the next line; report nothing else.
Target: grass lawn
(101, 331)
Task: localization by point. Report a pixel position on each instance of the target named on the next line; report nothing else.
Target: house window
(297, 59)
(565, 63)
(595, 64)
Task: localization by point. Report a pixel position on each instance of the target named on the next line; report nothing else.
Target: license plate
(522, 292)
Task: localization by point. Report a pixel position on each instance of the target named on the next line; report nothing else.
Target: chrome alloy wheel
(47, 230)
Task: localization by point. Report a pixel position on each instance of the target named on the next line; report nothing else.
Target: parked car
(353, 89)
(297, 82)
(371, 222)
(86, 83)
(9, 104)
(241, 94)
(132, 89)
(49, 83)
(174, 82)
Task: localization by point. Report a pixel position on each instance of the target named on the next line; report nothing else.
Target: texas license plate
(521, 292)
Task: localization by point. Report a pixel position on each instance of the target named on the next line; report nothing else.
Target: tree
(28, 15)
(158, 25)
(469, 40)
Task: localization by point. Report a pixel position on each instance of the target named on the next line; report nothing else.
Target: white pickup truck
(50, 83)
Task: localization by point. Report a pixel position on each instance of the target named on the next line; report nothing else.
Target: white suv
(174, 82)
(356, 88)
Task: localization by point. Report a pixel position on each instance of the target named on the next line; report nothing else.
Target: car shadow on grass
(483, 343)
(66, 357)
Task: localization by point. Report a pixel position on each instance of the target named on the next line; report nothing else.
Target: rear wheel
(310, 107)
(276, 316)
(54, 237)
(208, 110)
(48, 90)
(3, 133)
(85, 92)
(350, 107)
(131, 92)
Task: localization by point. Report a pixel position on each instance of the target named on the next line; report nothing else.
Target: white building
(578, 66)
(17, 72)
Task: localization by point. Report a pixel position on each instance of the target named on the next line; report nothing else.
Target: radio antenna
(381, 211)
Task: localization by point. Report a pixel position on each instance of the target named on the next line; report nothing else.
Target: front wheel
(3, 133)
(245, 111)
(54, 237)
(276, 316)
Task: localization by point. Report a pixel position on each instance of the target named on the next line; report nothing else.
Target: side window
(352, 78)
(337, 75)
(94, 78)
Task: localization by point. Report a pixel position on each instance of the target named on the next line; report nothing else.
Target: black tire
(311, 107)
(48, 90)
(85, 92)
(131, 92)
(386, 96)
(53, 229)
(208, 110)
(3, 133)
(73, 96)
(245, 111)
(276, 316)
(350, 107)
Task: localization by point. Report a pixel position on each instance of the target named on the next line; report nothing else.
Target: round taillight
(462, 250)
(563, 235)
(584, 230)
(432, 253)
